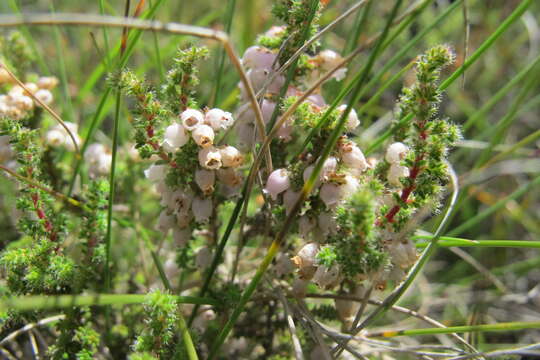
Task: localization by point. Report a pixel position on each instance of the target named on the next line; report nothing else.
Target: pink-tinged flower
(181, 236)
(327, 223)
(202, 209)
(257, 57)
(289, 199)
(203, 259)
(166, 221)
(330, 194)
(277, 182)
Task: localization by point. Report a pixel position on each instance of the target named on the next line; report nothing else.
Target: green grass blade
(229, 14)
(43, 302)
(509, 326)
(513, 17)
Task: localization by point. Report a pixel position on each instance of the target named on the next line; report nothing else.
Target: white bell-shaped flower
(210, 158)
(203, 135)
(231, 156)
(202, 208)
(191, 118)
(396, 152)
(176, 136)
(218, 119)
(395, 173)
(205, 179)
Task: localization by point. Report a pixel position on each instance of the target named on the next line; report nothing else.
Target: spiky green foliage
(159, 337)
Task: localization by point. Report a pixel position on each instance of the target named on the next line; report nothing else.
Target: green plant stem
(516, 14)
(229, 14)
(509, 326)
(43, 302)
(446, 241)
(108, 236)
(359, 25)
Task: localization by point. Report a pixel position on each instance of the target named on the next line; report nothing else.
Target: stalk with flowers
(232, 225)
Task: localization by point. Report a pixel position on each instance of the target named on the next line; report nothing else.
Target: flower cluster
(351, 226)
(190, 164)
(187, 184)
(17, 103)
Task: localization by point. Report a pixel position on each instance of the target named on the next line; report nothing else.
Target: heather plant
(274, 206)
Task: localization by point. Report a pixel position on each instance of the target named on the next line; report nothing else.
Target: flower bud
(277, 182)
(396, 152)
(352, 156)
(306, 257)
(181, 236)
(289, 199)
(205, 179)
(191, 118)
(166, 221)
(55, 138)
(352, 119)
(202, 208)
(229, 177)
(327, 223)
(156, 173)
(283, 266)
(231, 157)
(218, 119)
(330, 194)
(256, 57)
(326, 277)
(47, 82)
(305, 225)
(203, 135)
(299, 287)
(175, 137)
(397, 172)
(210, 158)
(203, 259)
